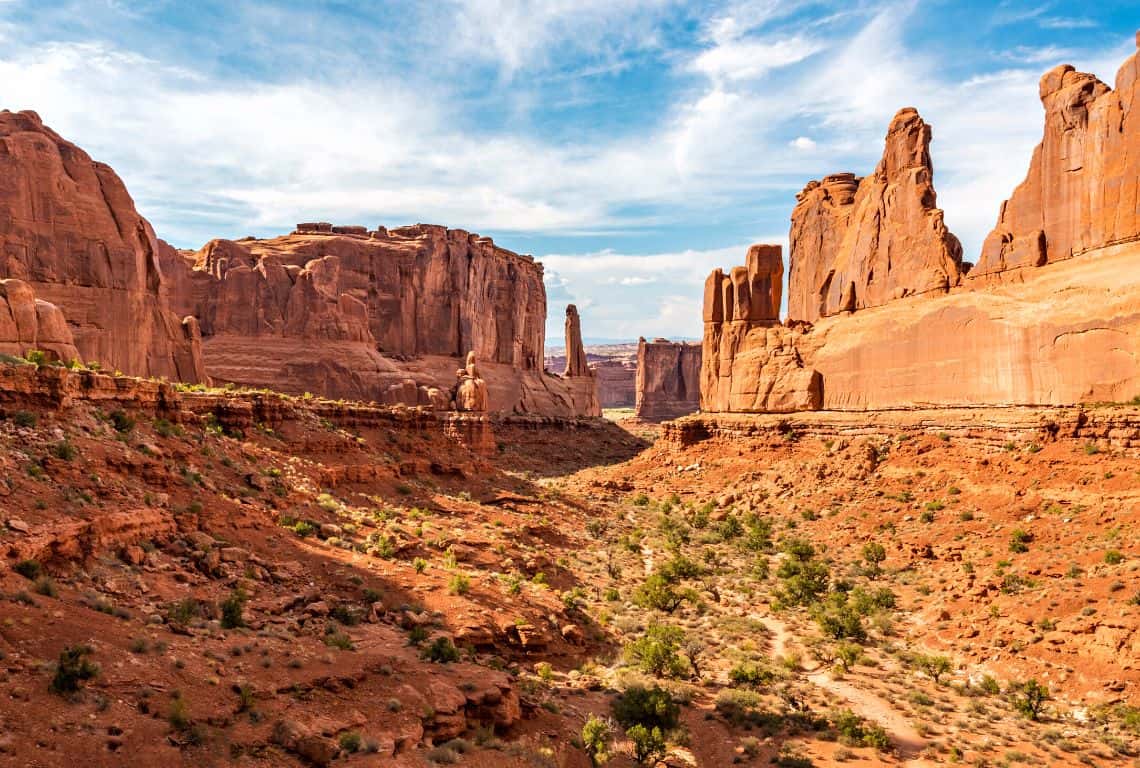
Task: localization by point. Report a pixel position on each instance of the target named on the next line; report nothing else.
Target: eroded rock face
(70, 231)
(668, 379)
(749, 362)
(28, 323)
(859, 243)
(617, 383)
(1081, 189)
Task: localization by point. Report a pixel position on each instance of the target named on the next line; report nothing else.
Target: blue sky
(631, 145)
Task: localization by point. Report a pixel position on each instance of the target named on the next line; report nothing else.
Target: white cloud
(802, 143)
(739, 59)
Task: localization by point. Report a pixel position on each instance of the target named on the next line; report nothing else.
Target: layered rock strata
(617, 383)
(668, 379)
(69, 229)
(858, 243)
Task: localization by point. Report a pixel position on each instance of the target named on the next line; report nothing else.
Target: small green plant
(24, 419)
(29, 569)
(441, 651)
(596, 734)
(420, 565)
(459, 584)
(1019, 541)
(122, 422)
(1113, 557)
(651, 707)
(63, 450)
(73, 669)
(351, 742)
(874, 554)
(232, 608)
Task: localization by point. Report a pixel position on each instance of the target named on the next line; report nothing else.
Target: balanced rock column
(859, 243)
(578, 375)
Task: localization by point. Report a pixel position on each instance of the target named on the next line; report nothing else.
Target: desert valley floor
(217, 577)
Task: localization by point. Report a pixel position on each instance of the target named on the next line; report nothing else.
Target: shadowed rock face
(858, 243)
(70, 231)
(668, 379)
(1081, 189)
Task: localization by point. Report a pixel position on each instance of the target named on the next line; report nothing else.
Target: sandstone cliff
(1064, 330)
(576, 364)
(617, 383)
(70, 231)
(383, 315)
(668, 379)
(858, 243)
(1081, 189)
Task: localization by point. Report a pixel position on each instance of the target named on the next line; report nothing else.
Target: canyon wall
(668, 379)
(340, 311)
(1049, 316)
(858, 243)
(70, 231)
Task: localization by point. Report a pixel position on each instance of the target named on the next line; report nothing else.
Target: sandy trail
(907, 740)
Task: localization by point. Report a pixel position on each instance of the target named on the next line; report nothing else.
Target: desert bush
(232, 608)
(933, 666)
(657, 651)
(1029, 698)
(73, 669)
(596, 734)
(441, 651)
(648, 744)
(650, 707)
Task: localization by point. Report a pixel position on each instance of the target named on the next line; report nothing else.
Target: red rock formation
(28, 323)
(69, 229)
(1064, 332)
(617, 383)
(668, 379)
(749, 361)
(859, 243)
(576, 364)
(1081, 190)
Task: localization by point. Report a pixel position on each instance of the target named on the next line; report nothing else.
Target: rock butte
(1050, 315)
(668, 379)
(339, 311)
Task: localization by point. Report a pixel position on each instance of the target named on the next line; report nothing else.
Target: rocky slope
(270, 580)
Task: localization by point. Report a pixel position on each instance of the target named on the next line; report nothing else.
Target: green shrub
(658, 593)
(351, 742)
(750, 674)
(1029, 699)
(24, 419)
(441, 651)
(29, 569)
(648, 744)
(596, 734)
(934, 666)
(1113, 557)
(459, 584)
(232, 610)
(73, 669)
(650, 707)
(63, 450)
(1019, 540)
(657, 651)
(122, 421)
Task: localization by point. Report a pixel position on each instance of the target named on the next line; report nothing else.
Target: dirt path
(907, 740)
